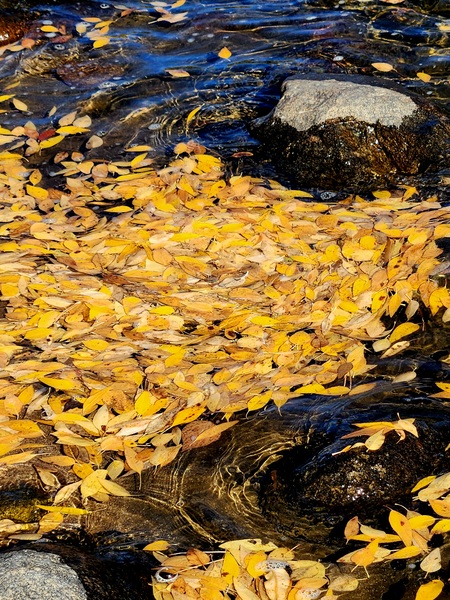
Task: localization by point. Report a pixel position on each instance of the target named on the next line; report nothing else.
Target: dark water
(127, 88)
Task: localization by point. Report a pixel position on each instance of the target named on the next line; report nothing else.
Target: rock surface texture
(11, 28)
(352, 132)
(31, 575)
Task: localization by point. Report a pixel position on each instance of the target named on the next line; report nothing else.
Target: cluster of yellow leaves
(165, 10)
(247, 569)
(376, 432)
(412, 532)
(27, 532)
(137, 302)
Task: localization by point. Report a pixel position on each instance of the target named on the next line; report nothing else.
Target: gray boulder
(31, 575)
(352, 132)
(50, 571)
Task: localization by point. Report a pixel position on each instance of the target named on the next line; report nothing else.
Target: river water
(155, 73)
(163, 60)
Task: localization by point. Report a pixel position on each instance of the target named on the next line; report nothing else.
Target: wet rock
(11, 28)
(89, 73)
(352, 132)
(277, 475)
(48, 571)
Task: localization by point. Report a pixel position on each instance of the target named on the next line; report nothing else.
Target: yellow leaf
(64, 510)
(37, 192)
(163, 455)
(49, 29)
(382, 66)
(441, 507)
(101, 42)
(20, 105)
(230, 568)
(142, 148)
(438, 299)
(26, 395)
(119, 209)
(401, 526)
(441, 230)
(424, 76)
(66, 491)
(188, 414)
(264, 321)
(418, 237)
(441, 526)
(192, 114)
(60, 384)
(71, 130)
(224, 53)
(402, 331)
(50, 521)
(430, 590)
(51, 141)
(311, 388)
(97, 344)
(254, 563)
(425, 481)
(14, 459)
(421, 521)
(158, 546)
(114, 488)
(39, 333)
(257, 402)
(432, 562)
(407, 552)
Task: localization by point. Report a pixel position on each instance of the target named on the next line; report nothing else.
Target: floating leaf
(224, 53)
(430, 590)
(424, 76)
(432, 562)
(382, 66)
(19, 105)
(159, 545)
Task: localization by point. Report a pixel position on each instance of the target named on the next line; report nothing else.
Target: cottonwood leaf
(158, 545)
(430, 590)
(66, 491)
(432, 562)
(277, 584)
(401, 526)
(382, 66)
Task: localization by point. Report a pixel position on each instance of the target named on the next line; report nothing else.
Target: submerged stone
(352, 132)
(11, 29)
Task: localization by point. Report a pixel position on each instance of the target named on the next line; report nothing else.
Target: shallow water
(128, 88)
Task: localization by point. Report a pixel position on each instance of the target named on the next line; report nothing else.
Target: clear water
(135, 100)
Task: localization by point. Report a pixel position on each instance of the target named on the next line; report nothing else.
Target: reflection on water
(158, 66)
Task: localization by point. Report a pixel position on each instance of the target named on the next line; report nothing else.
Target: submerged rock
(11, 28)
(352, 132)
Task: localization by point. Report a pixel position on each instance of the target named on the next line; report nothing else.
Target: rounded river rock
(352, 132)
